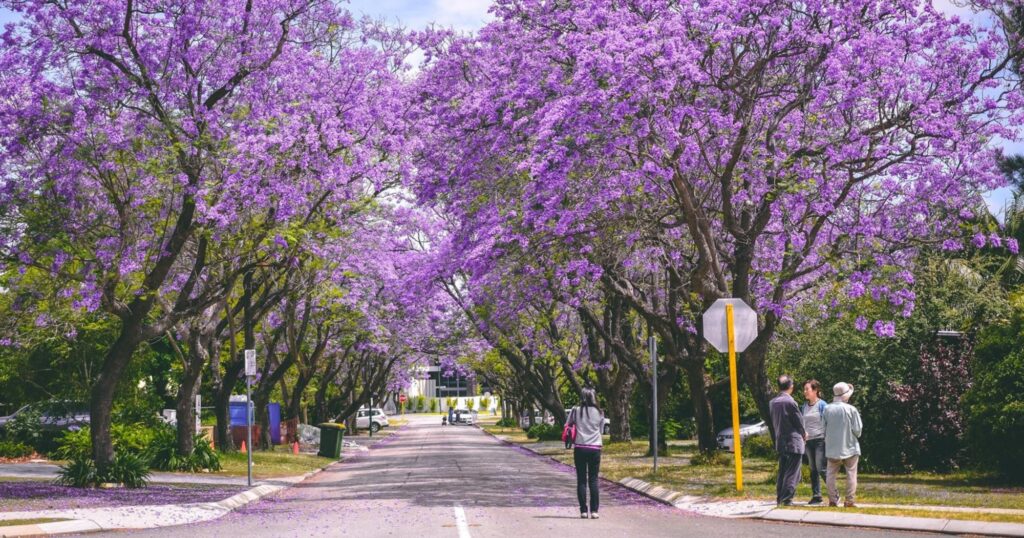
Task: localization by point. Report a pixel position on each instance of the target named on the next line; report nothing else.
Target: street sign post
(199, 409)
(250, 372)
(730, 325)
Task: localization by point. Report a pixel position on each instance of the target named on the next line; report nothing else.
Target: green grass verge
(271, 464)
(937, 514)
(35, 521)
(621, 460)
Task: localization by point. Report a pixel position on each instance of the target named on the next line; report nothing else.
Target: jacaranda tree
(137, 136)
(690, 151)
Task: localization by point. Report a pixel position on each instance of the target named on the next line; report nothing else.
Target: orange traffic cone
(244, 450)
(295, 447)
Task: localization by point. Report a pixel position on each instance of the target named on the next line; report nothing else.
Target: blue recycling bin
(236, 412)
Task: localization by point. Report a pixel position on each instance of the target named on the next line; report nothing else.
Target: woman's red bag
(569, 431)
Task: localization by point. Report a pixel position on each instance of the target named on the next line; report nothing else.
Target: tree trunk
(101, 402)
(755, 376)
(702, 413)
(618, 408)
(222, 404)
(263, 419)
(191, 380)
(186, 410)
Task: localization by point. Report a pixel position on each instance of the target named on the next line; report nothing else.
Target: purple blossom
(885, 329)
(978, 241)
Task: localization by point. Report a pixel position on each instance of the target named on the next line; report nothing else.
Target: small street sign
(401, 398)
(250, 362)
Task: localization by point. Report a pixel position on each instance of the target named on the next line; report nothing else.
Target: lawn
(277, 463)
(622, 460)
(939, 514)
(36, 521)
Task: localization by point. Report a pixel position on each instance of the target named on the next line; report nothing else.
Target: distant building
(431, 382)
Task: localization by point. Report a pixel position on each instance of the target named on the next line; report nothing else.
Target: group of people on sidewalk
(827, 433)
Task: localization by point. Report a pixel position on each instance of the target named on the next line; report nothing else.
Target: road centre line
(460, 522)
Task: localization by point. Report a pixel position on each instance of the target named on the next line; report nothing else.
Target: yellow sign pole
(737, 446)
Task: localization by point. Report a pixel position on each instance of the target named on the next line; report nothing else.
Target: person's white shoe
(594, 515)
(583, 515)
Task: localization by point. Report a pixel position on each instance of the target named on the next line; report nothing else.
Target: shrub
(471, 404)
(509, 422)
(421, 403)
(163, 453)
(433, 405)
(759, 446)
(131, 470)
(485, 403)
(76, 445)
(452, 402)
(78, 473)
(26, 427)
(994, 405)
(545, 432)
(135, 439)
(14, 449)
(203, 454)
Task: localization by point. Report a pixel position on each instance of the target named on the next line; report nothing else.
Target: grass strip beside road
(277, 463)
(717, 480)
(34, 521)
(935, 514)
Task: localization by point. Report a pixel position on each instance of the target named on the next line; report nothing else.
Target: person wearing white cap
(842, 428)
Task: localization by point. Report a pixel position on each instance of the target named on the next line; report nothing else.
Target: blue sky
(469, 15)
(415, 14)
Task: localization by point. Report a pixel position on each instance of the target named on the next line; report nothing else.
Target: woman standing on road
(589, 421)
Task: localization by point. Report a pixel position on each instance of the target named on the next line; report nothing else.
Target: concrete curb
(818, 517)
(691, 503)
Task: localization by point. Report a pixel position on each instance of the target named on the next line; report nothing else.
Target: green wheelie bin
(330, 439)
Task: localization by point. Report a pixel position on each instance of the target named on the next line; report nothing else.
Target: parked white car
(746, 430)
(465, 416)
(364, 421)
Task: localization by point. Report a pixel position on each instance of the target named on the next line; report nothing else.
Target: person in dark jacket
(789, 440)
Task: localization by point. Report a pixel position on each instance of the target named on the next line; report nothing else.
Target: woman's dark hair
(815, 385)
(588, 398)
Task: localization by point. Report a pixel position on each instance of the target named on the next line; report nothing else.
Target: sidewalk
(139, 517)
(767, 510)
(82, 520)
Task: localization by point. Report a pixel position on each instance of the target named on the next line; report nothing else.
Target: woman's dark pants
(588, 465)
(816, 458)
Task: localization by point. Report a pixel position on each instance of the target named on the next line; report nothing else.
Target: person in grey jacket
(789, 440)
(589, 422)
(842, 428)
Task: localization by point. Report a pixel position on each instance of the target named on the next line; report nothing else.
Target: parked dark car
(56, 415)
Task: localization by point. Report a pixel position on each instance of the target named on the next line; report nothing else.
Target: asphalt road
(458, 482)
